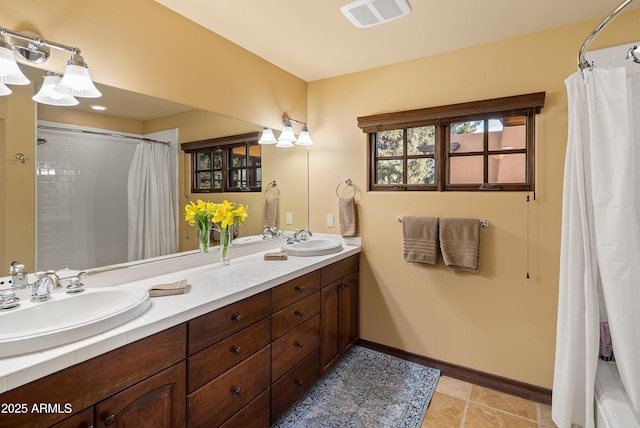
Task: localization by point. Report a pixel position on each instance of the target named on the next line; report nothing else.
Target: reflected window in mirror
(226, 164)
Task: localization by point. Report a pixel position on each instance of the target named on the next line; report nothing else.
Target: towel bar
(349, 183)
(483, 223)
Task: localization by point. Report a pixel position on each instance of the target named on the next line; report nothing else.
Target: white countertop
(210, 287)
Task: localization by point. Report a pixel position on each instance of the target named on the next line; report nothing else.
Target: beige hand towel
(178, 287)
(280, 255)
(347, 216)
(271, 210)
(420, 239)
(460, 243)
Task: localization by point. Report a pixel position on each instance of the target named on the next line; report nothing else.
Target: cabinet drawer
(290, 387)
(338, 270)
(294, 346)
(296, 289)
(253, 415)
(214, 326)
(294, 314)
(221, 398)
(214, 360)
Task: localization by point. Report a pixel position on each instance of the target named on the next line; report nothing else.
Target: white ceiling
(313, 40)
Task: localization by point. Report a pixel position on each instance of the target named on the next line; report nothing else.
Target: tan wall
(496, 320)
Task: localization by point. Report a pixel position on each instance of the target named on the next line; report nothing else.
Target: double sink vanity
(239, 348)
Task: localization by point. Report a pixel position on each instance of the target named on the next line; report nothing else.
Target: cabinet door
(329, 328)
(155, 402)
(84, 419)
(348, 311)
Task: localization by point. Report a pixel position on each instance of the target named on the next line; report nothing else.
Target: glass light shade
(47, 95)
(287, 134)
(77, 83)
(267, 137)
(284, 144)
(10, 73)
(4, 89)
(304, 139)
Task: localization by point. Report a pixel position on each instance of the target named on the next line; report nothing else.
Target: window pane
(389, 172)
(203, 160)
(203, 180)
(466, 137)
(421, 171)
(421, 141)
(217, 179)
(511, 134)
(507, 168)
(217, 159)
(389, 143)
(465, 169)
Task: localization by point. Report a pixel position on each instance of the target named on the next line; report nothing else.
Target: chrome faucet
(302, 235)
(42, 288)
(271, 232)
(18, 275)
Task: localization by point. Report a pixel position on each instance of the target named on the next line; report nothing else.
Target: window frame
(527, 105)
(226, 146)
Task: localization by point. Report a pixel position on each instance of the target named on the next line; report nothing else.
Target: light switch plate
(329, 220)
(288, 218)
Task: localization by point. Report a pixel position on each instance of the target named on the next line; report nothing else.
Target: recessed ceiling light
(367, 13)
(98, 107)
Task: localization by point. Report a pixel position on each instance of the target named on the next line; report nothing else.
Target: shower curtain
(600, 242)
(152, 202)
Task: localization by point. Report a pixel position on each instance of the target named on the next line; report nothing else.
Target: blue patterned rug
(366, 389)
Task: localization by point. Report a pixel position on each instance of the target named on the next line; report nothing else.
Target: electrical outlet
(288, 218)
(329, 220)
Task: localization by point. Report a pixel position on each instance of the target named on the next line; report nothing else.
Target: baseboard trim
(498, 383)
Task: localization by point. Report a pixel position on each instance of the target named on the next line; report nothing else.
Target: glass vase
(204, 235)
(225, 241)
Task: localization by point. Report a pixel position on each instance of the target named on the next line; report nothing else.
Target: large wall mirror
(79, 190)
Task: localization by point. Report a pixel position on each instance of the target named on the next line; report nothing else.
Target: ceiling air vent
(367, 13)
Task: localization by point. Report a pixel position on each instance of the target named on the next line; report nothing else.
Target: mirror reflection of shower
(82, 180)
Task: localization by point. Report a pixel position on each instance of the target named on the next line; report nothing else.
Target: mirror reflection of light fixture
(267, 137)
(10, 73)
(4, 89)
(30, 47)
(47, 94)
(287, 136)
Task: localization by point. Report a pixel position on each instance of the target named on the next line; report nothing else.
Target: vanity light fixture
(287, 136)
(48, 95)
(30, 47)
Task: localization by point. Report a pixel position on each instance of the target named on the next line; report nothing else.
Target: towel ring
(346, 182)
(273, 184)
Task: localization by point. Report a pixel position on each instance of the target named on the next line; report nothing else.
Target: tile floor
(458, 404)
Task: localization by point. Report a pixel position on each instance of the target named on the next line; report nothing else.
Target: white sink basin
(313, 247)
(247, 239)
(68, 317)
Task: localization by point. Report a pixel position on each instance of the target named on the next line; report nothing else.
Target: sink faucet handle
(18, 274)
(75, 286)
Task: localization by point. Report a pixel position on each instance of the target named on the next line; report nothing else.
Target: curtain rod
(106, 134)
(582, 62)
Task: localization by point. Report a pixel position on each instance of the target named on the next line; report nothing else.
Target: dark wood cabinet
(229, 361)
(155, 402)
(83, 419)
(339, 310)
(295, 335)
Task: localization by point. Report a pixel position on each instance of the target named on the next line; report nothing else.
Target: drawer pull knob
(300, 288)
(109, 420)
(299, 382)
(237, 391)
(300, 313)
(299, 344)
(237, 318)
(237, 350)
